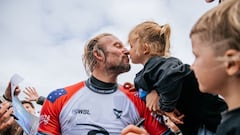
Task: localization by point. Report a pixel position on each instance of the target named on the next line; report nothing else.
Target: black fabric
(166, 76)
(40, 100)
(101, 87)
(199, 108)
(230, 124)
(178, 88)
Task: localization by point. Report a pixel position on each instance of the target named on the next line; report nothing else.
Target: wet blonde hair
(89, 60)
(155, 35)
(220, 27)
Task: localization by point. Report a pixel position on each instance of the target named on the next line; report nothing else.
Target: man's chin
(120, 69)
(127, 68)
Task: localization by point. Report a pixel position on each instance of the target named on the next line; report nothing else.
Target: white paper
(26, 120)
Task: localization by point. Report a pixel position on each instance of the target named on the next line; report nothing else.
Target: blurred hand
(175, 116)
(7, 93)
(133, 130)
(32, 94)
(152, 101)
(130, 86)
(6, 120)
(174, 128)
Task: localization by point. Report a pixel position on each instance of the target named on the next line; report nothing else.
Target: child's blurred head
(28, 105)
(150, 37)
(216, 46)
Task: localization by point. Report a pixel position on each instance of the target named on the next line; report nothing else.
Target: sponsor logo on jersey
(118, 113)
(44, 119)
(81, 111)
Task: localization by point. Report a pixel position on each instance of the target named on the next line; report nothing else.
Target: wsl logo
(81, 111)
(118, 113)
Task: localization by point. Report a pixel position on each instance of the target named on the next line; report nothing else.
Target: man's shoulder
(75, 87)
(129, 91)
(66, 91)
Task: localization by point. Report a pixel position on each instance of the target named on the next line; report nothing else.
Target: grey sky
(42, 40)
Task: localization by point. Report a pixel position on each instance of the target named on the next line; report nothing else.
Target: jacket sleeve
(40, 100)
(167, 78)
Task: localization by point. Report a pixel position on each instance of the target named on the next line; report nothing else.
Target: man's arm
(49, 117)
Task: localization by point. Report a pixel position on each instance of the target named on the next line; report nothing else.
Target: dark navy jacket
(178, 88)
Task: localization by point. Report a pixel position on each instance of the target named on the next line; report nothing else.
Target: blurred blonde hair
(92, 45)
(155, 35)
(220, 27)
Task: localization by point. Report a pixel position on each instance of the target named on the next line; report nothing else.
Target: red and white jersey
(77, 110)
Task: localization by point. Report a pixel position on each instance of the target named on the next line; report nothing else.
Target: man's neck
(101, 87)
(105, 77)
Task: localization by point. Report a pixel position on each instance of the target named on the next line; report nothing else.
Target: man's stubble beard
(118, 69)
(122, 67)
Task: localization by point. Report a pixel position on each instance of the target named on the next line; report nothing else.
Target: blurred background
(42, 40)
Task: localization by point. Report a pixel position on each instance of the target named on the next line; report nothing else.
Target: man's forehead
(108, 39)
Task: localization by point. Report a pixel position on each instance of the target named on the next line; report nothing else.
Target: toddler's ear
(233, 62)
(146, 48)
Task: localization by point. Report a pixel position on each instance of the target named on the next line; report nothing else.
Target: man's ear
(99, 55)
(146, 49)
(233, 61)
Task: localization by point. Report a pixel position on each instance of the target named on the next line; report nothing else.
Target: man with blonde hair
(98, 105)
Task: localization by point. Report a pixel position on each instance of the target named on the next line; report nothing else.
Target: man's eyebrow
(118, 43)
